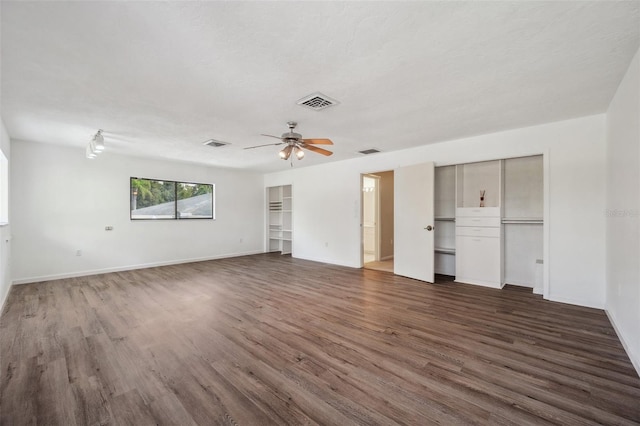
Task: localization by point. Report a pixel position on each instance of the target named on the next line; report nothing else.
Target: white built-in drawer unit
(478, 212)
(479, 229)
(478, 260)
(472, 231)
(478, 221)
(479, 251)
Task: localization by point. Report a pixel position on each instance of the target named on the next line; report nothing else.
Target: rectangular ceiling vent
(214, 143)
(317, 101)
(369, 151)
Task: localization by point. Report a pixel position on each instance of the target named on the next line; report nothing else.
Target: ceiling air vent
(369, 151)
(317, 101)
(214, 143)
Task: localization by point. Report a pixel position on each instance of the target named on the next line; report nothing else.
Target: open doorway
(377, 220)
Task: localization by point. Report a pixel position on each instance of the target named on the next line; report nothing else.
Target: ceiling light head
(93, 149)
(299, 153)
(90, 154)
(98, 141)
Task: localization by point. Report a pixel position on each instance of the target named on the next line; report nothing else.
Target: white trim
(128, 268)
(635, 362)
(569, 301)
(328, 261)
(519, 284)
(3, 302)
(546, 225)
(488, 284)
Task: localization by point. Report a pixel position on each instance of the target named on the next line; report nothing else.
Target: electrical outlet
(78, 252)
(241, 239)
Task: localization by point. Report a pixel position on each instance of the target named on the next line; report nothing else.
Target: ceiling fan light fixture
(286, 152)
(295, 144)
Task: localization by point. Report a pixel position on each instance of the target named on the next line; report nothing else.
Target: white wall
(623, 211)
(61, 202)
(5, 231)
(327, 210)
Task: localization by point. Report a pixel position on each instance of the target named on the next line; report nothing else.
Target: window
(163, 199)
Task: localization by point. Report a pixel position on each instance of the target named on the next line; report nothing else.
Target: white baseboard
(568, 301)
(4, 298)
(127, 268)
(635, 360)
(330, 262)
(463, 280)
(519, 284)
(387, 258)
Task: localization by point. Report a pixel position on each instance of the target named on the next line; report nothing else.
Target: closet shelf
(279, 219)
(444, 250)
(522, 220)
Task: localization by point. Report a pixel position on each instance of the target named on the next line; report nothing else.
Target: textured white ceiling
(162, 77)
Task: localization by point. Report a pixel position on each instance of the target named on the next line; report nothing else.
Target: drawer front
(478, 211)
(478, 259)
(478, 221)
(471, 231)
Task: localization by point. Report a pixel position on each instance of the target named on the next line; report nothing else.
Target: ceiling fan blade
(268, 144)
(271, 136)
(316, 149)
(318, 141)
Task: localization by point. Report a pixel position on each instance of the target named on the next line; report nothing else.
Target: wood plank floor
(268, 339)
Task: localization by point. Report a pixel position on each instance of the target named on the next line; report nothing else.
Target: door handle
(429, 228)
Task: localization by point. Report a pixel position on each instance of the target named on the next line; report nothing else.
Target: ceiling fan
(296, 145)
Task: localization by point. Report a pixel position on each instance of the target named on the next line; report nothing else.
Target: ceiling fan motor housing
(291, 135)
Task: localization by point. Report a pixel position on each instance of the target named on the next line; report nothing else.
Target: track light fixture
(96, 146)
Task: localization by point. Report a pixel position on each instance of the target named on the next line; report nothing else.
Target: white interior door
(413, 221)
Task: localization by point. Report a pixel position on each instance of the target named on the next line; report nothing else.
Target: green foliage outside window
(158, 199)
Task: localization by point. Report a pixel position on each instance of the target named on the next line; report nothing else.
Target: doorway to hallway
(377, 220)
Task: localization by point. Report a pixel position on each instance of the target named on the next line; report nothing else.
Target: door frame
(377, 216)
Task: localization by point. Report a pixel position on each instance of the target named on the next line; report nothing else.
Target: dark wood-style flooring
(268, 339)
